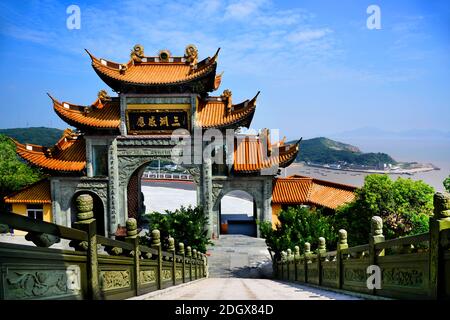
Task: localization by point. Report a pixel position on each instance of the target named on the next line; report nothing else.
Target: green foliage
(404, 205)
(298, 225)
(323, 151)
(447, 183)
(35, 135)
(186, 225)
(14, 174)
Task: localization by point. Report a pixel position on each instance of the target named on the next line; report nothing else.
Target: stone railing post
(283, 265)
(438, 223)
(86, 222)
(288, 264)
(321, 253)
(194, 260)
(156, 244)
(376, 236)
(296, 261)
(307, 261)
(206, 266)
(171, 249)
(342, 244)
(132, 238)
(181, 252)
(189, 255)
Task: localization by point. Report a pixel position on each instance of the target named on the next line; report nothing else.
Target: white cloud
(307, 35)
(242, 9)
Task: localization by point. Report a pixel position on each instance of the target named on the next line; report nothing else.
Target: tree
(297, 226)
(186, 225)
(404, 205)
(447, 183)
(14, 174)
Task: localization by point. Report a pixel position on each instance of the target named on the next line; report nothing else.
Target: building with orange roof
(116, 137)
(301, 190)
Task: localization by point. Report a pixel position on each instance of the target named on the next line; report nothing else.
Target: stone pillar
(114, 216)
(156, 244)
(213, 228)
(342, 244)
(438, 223)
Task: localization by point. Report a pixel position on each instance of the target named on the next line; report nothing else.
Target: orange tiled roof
(36, 193)
(150, 71)
(249, 156)
(106, 117)
(68, 154)
(303, 190)
(215, 113)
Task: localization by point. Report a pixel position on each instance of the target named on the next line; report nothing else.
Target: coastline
(394, 171)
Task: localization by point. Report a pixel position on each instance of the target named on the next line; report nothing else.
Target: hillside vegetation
(326, 151)
(36, 135)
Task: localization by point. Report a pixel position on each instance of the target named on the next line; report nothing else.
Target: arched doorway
(157, 186)
(99, 211)
(237, 213)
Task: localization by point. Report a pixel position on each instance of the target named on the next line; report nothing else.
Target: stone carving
(377, 226)
(114, 279)
(329, 273)
(113, 251)
(403, 277)
(147, 276)
(313, 273)
(441, 203)
(85, 205)
(307, 247)
(42, 239)
(171, 244)
(179, 274)
(357, 274)
(181, 248)
(166, 274)
(342, 236)
(131, 227)
(33, 284)
(322, 245)
(156, 238)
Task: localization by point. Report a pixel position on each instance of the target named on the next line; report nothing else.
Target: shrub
(299, 225)
(186, 225)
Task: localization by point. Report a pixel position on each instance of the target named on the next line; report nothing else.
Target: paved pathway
(239, 256)
(246, 289)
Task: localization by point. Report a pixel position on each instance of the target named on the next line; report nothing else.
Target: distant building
(301, 190)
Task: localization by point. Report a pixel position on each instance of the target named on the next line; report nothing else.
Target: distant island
(331, 154)
(317, 152)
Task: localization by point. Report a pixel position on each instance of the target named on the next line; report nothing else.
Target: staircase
(239, 256)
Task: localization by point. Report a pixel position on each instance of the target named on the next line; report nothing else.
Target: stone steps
(239, 256)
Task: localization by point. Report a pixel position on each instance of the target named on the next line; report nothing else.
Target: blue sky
(319, 68)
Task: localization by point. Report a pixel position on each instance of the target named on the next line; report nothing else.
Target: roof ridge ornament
(102, 96)
(227, 96)
(191, 55)
(137, 54)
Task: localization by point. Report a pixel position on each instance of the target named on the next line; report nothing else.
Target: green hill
(326, 151)
(36, 135)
